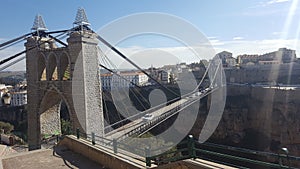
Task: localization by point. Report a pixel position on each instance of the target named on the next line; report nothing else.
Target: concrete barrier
(103, 156)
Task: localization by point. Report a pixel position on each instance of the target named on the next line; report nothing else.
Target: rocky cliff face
(258, 118)
(17, 116)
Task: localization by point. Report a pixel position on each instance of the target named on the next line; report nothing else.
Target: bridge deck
(139, 122)
(158, 115)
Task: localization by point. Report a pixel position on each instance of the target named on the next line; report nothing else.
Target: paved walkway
(60, 158)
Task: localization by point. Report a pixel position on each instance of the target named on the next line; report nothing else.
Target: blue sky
(245, 26)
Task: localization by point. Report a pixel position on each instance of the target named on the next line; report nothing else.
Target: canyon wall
(258, 118)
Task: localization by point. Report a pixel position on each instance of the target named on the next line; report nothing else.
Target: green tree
(7, 127)
(65, 127)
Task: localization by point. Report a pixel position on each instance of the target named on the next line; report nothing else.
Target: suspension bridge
(160, 113)
(56, 75)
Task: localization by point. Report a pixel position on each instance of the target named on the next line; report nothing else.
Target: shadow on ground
(59, 158)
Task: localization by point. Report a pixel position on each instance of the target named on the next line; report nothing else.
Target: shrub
(7, 127)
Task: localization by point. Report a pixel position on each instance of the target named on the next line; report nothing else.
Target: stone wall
(259, 118)
(102, 156)
(50, 121)
(281, 73)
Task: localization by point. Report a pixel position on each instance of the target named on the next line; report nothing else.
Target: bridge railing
(168, 112)
(114, 145)
(147, 125)
(137, 116)
(191, 149)
(238, 157)
(150, 110)
(165, 114)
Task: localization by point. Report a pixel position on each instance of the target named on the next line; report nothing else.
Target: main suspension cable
(26, 50)
(132, 63)
(14, 40)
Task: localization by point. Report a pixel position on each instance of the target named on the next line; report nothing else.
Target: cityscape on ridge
(13, 89)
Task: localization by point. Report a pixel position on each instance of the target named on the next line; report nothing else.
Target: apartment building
(124, 79)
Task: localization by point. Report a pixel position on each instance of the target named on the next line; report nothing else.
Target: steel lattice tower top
(39, 24)
(81, 18)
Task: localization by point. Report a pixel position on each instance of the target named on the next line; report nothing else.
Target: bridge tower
(68, 74)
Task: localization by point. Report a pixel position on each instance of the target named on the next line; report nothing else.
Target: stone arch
(49, 112)
(41, 67)
(64, 67)
(52, 67)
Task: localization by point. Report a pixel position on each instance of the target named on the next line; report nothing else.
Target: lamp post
(286, 152)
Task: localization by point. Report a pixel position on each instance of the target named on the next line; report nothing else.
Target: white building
(18, 98)
(282, 55)
(106, 81)
(245, 59)
(164, 76)
(231, 62)
(123, 80)
(18, 95)
(224, 55)
(227, 59)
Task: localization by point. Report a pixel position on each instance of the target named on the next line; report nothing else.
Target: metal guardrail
(149, 124)
(173, 109)
(139, 115)
(112, 144)
(189, 149)
(111, 127)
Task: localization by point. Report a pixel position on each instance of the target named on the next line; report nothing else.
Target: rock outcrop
(264, 119)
